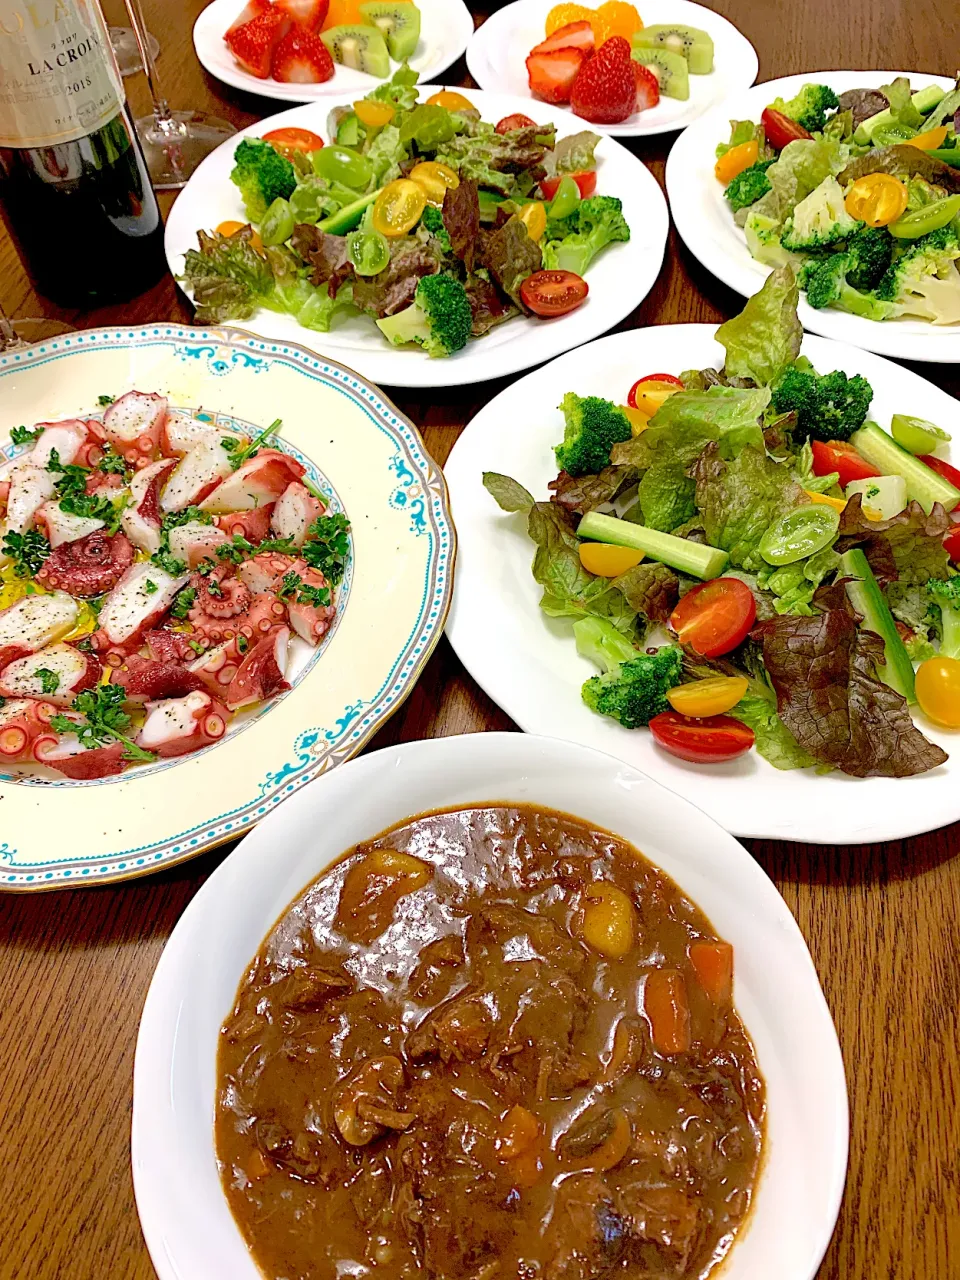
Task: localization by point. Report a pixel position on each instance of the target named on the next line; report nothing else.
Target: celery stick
(866, 597)
(923, 483)
(689, 557)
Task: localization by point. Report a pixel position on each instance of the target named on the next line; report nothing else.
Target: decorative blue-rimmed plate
(371, 463)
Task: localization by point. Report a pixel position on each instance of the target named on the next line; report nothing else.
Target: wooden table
(882, 921)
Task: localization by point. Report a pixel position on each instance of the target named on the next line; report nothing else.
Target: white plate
(528, 663)
(706, 224)
(620, 277)
(186, 1221)
(496, 58)
(445, 28)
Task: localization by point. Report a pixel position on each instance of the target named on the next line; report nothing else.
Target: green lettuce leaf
(741, 131)
(738, 500)
(773, 739)
(509, 493)
(569, 591)
(801, 168)
(400, 91)
(764, 339)
(389, 150)
(229, 280)
(900, 96)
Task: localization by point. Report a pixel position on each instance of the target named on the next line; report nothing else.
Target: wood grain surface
(881, 921)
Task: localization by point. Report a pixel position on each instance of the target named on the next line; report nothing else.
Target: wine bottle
(75, 194)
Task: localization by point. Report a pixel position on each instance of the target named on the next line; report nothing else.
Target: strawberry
(252, 9)
(648, 87)
(301, 57)
(253, 43)
(308, 13)
(605, 90)
(575, 35)
(551, 75)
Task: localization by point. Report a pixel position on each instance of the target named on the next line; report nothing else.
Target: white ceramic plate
(497, 52)
(528, 663)
(620, 277)
(706, 224)
(55, 832)
(186, 1221)
(445, 28)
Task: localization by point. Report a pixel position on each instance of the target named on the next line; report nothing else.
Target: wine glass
(127, 52)
(174, 142)
(17, 334)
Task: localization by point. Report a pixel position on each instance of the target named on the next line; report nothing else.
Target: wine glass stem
(161, 108)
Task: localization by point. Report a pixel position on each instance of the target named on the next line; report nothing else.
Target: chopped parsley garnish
(180, 609)
(49, 680)
(236, 550)
(189, 515)
(163, 558)
(150, 587)
(112, 462)
(73, 479)
(243, 644)
(327, 547)
(24, 435)
(27, 551)
(292, 585)
(3, 703)
(196, 646)
(91, 506)
(214, 588)
(284, 546)
(169, 563)
(239, 455)
(85, 645)
(104, 400)
(104, 721)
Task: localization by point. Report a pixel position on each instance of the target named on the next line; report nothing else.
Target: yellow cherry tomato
(451, 100)
(638, 421)
(710, 697)
(825, 501)
(534, 218)
(930, 140)
(938, 690)
(736, 160)
(606, 560)
(436, 179)
(877, 199)
(651, 396)
(398, 207)
(373, 114)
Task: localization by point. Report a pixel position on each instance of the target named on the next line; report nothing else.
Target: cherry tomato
(436, 179)
(951, 543)
(586, 182)
(710, 697)
(533, 215)
(876, 199)
(780, 129)
(942, 468)
(516, 121)
(843, 458)
(374, 114)
(709, 741)
(938, 690)
(553, 293)
(231, 228)
(715, 617)
(660, 379)
(294, 140)
(451, 100)
(606, 560)
(736, 160)
(398, 207)
(931, 140)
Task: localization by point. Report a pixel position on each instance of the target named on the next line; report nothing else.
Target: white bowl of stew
(523, 1058)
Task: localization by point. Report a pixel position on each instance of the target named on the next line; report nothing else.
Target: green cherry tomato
(278, 223)
(799, 533)
(930, 218)
(916, 435)
(566, 199)
(340, 164)
(368, 251)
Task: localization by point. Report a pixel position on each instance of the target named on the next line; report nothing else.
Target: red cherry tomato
(942, 468)
(294, 139)
(709, 741)
(951, 544)
(517, 121)
(553, 293)
(586, 184)
(652, 377)
(843, 458)
(715, 617)
(780, 129)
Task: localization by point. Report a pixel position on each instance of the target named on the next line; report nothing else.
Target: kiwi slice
(669, 68)
(360, 47)
(695, 45)
(398, 22)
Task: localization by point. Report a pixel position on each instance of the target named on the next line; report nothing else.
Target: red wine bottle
(75, 193)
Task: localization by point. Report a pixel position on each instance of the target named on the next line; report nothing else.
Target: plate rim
(21, 359)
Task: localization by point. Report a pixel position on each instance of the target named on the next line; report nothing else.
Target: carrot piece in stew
(713, 962)
(666, 1006)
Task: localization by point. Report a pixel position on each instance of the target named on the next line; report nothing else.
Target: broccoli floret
(592, 427)
(633, 687)
(819, 221)
(432, 221)
(809, 108)
(828, 407)
(263, 175)
(763, 240)
(870, 250)
(946, 596)
(826, 282)
(924, 281)
(599, 221)
(439, 319)
(749, 185)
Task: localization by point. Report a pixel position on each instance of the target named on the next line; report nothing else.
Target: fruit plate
(707, 227)
(371, 462)
(620, 277)
(528, 663)
(497, 52)
(445, 28)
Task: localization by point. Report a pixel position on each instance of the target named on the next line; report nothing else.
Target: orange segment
(606, 560)
(562, 14)
(618, 19)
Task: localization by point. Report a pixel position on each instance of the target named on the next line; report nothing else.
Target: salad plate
(498, 49)
(529, 664)
(445, 29)
(619, 276)
(706, 223)
(355, 452)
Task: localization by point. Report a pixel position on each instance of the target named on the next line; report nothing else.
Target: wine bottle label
(58, 76)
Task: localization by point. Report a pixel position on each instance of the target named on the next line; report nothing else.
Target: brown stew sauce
(490, 1044)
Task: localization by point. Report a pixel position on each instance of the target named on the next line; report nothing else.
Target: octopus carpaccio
(162, 569)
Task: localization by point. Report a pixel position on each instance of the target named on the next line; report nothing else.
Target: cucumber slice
(865, 595)
(923, 484)
(883, 496)
(924, 100)
(689, 557)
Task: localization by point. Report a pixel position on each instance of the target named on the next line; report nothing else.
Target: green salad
(435, 223)
(750, 561)
(859, 193)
